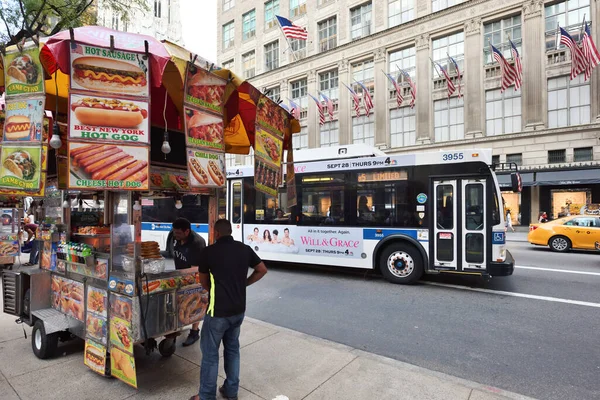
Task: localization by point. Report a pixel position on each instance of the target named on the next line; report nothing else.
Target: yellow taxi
(564, 234)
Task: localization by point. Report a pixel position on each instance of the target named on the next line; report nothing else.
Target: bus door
(445, 225)
(235, 208)
(473, 224)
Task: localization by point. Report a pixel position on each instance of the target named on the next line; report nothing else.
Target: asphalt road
(536, 333)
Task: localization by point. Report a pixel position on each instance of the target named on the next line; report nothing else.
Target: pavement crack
(258, 340)
(328, 379)
(470, 394)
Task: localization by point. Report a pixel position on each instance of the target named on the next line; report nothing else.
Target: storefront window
(512, 204)
(569, 202)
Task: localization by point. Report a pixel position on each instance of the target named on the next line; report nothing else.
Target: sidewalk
(518, 236)
(275, 361)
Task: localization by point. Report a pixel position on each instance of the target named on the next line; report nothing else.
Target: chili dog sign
(100, 118)
(206, 168)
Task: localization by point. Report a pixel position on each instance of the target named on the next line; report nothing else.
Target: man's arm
(205, 280)
(260, 270)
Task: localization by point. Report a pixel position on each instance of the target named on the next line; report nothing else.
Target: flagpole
(581, 30)
(287, 39)
(556, 36)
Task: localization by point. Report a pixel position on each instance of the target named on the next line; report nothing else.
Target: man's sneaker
(192, 338)
(222, 391)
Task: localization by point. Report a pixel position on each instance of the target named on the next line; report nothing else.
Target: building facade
(162, 20)
(549, 128)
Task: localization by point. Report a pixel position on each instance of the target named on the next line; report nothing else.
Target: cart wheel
(44, 346)
(167, 347)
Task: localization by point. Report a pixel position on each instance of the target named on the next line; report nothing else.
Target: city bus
(403, 215)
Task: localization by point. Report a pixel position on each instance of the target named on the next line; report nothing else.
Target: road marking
(514, 294)
(567, 271)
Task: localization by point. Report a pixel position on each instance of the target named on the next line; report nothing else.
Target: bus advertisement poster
(306, 241)
(267, 177)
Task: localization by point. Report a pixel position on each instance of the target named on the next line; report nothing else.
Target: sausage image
(97, 166)
(84, 163)
(215, 174)
(127, 171)
(198, 172)
(111, 169)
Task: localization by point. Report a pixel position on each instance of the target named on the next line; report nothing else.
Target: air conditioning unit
(12, 292)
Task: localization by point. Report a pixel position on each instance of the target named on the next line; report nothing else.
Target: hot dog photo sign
(206, 169)
(102, 70)
(24, 120)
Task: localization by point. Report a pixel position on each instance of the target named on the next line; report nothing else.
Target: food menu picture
(204, 90)
(20, 167)
(271, 117)
(95, 356)
(204, 129)
(96, 319)
(191, 305)
(162, 178)
(268, 147)
(122, 367)
(106, 166)
(67, 296)
(120, 334)
(23, 71)
(24, 120)
(102, 70)
(102, 119)
(267, 177)
(206, 168)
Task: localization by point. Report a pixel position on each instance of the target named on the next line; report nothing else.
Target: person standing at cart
(224, 271)
(188, 246)
(31, 228)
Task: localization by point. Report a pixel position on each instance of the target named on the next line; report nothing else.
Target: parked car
(564, 234)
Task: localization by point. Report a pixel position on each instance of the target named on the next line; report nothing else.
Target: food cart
(134, 118)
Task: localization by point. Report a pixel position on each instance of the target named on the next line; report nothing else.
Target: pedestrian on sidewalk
(543, 217)
(188, 246)
(224, 272)
(509, 223)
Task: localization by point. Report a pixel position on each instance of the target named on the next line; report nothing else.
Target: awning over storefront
(504, 180)
(547, 178)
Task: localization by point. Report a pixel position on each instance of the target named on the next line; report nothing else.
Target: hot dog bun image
(215, 173)
(105, 75)
(108, 112)
(17, 127)
(198, 172)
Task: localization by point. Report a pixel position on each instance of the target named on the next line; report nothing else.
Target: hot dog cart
(134, 118)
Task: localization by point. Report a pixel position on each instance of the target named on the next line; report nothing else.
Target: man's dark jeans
(215, 329)
(35, 251)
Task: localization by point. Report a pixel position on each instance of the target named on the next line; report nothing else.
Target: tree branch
(37, 15)
(6, 24)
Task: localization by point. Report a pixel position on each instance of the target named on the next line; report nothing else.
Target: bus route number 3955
(452, 156)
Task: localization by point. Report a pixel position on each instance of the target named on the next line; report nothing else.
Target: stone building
(549, 128)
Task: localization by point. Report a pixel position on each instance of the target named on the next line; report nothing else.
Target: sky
(199, 26)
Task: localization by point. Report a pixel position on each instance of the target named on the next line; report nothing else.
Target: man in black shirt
(187, 249)
(224, 271)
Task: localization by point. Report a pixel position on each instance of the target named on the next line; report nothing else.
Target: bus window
(382, 198)
(261, 208)
(445, 210)
(222, 203)
(474, 207)
(323, 200)
(236, 190)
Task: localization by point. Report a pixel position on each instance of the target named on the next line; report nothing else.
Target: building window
(360, 21)
(498, 33)
(516, 158)
(583, 154)
(363, 129)
(363, 72)
(272, 55)
(404, 59)
(115, 21)
(403, 127)
(299, 94)
(437, 5)
(329, 84)
(328, 34)
(557, 156)
(297, 8)
(249, 61)
(449, 119)
(330, 134)
(249, 25)
(300, 139)
(271, 10)
(249, 158)
(228, 64)
(502, 112)
(230, 160)
(569, 15)
(274, 93)
(400, 11)
(453, 46)
(157, 8)
(496, 159)
(298, 47)
(227, 4)
(568, 101)
(228, 35)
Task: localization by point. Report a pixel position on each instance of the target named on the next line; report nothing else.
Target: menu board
(9, 245)
(162, 178)
(108, 166)
(95, 356)
(121, 339)
(20, 167)
(266, 177)
(67, 296)
(268, 147)
(271, 117)
(122, 366)
(24, 120)
(108, 119)
(206, 169)
(96, 320)
(204, 90)
(191, 305)
(204, 129)
(23, 71)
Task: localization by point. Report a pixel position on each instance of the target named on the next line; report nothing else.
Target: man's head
(222, 228)
(181, 229)
(286, 232)
(275, 232)
(279, 213)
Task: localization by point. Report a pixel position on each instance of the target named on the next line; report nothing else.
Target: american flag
(295, 109)
(320, 108)
(578, 62)
(413, 87)
(592, 57)
(367, 98)
(518, 65)
(329, 103)
(290, 30)
(507, 71)
(399, 98)
(459, 76)
(355, 99)
(451, 87)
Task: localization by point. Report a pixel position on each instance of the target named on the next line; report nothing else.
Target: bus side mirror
(515, 182)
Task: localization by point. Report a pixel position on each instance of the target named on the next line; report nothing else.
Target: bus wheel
(401, 263)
